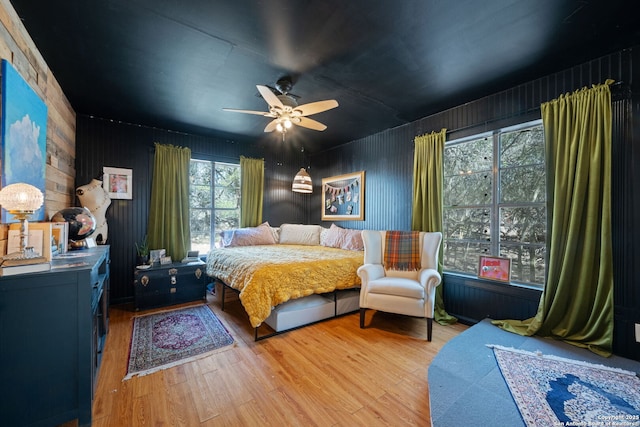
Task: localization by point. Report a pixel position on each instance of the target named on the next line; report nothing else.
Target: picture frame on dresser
(155, 255)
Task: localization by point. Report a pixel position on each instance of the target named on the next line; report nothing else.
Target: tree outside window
(214, 200)
(495, 202)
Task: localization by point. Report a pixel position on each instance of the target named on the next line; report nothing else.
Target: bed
(267, 275)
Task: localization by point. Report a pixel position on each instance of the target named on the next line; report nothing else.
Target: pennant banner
(335, 191)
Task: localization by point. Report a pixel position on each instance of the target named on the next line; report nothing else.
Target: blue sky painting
(24, 135)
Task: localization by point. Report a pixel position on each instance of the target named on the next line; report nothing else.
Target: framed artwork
(343, 197)
(494, 268)
(118, 182)
(24, 136)
(156, 255)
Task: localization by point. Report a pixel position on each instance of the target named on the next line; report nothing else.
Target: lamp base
(18, 258)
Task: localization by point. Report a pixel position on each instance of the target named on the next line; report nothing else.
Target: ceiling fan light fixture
(286, 112)
(302, 182)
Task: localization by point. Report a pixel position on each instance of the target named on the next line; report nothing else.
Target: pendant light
(302, 182)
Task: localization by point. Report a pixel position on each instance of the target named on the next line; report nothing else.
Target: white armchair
(410, 293)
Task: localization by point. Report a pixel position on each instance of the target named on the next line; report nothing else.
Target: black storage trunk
(169, 284)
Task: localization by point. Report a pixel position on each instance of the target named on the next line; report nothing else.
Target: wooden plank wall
(17, 47)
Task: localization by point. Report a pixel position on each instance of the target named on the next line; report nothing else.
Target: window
(214, 201)
(495, 202)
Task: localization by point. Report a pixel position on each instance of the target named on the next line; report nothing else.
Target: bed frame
(305, 311)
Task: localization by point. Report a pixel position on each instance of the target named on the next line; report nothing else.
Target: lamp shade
(302, 182)
(21, 198)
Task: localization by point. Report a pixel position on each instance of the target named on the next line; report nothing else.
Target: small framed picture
(155, 255)
(494, 268)
(118, 183)
(165, 260)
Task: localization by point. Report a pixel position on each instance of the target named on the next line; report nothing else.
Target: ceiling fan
(284, 108)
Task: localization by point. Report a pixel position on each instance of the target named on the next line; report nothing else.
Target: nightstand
(163, 285)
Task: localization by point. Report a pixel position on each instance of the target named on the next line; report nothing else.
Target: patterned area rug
(553, 391)
(170, 338)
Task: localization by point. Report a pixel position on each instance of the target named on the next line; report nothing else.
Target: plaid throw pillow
(402, 250)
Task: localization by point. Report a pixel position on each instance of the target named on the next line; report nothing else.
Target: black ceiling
(174, 64)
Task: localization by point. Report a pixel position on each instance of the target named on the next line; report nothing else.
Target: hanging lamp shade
(302, 182)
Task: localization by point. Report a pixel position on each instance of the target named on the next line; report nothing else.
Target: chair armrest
(430, 279)
(370, 272)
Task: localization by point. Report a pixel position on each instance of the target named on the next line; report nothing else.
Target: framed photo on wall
(343, 197)
(118, 182)
(494, 268)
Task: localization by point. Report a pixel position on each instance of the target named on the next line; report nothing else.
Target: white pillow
(276, 233)
(249, 236)
(334, 238)
(343, 238)
(300, 234)
(323, 235)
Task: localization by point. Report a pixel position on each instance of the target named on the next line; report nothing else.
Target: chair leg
(362, 310)
(429, 328)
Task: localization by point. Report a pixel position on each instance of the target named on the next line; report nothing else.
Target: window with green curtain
(576, 305)
(252, 189)
(427, 201)
(168, 226)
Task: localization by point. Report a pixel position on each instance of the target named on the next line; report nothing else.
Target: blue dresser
(53, 327)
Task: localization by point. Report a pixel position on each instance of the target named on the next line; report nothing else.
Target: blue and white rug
(554, 391)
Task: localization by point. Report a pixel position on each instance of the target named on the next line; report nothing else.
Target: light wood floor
(328, 374)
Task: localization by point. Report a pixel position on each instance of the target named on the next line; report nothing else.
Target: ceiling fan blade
(258, 113)
(315, 107)
(271, 126)
(269, 96)
(309, 123)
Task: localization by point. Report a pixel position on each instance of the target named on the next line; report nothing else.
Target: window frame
(214, 236)
(496, 204)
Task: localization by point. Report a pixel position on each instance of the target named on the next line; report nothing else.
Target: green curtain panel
(576, 305)
(169, 207)
(252, 191)
(427, 200)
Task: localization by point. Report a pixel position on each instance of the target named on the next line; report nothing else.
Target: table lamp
(21, 200)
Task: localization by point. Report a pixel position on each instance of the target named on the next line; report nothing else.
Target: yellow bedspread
(272, 274)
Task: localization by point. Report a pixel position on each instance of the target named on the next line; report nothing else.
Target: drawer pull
(198, 273)
(144, 280)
